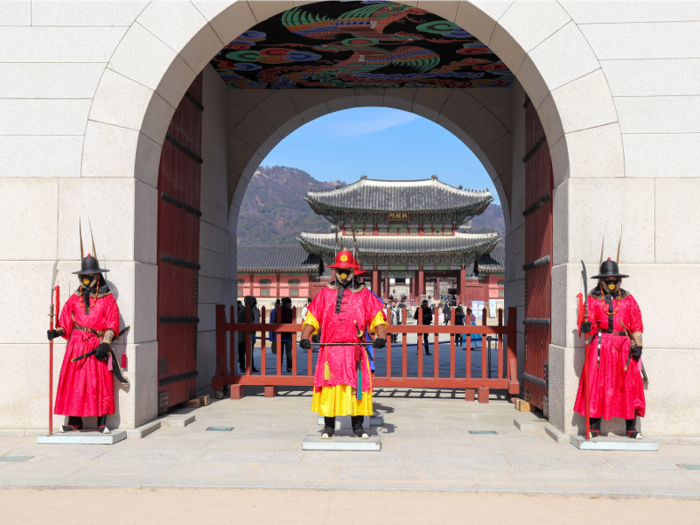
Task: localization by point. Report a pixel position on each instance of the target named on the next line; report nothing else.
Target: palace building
(406, 232)
(413, 237)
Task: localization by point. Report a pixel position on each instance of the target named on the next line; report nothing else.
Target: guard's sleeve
(65, 320)
(310, 319)
(592, 314)
(111, 313)
(379, 320)
(374, 308)
(635, 314)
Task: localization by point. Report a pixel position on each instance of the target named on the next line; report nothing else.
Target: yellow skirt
(340, 400)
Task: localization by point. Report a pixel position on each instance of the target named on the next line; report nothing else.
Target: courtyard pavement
(427, 446)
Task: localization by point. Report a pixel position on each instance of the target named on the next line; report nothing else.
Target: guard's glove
(52, 334)
(586, 328)
(315, 338)
(379, 342)
(636, 352)
(305, 344)
(101, 352)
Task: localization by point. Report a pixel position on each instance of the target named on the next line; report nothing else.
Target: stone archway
(169, 44)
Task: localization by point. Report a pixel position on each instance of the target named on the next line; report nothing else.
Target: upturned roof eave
(466, 207)
(488, 244)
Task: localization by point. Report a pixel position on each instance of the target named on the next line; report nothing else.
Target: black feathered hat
(90, 263)
(609, 268)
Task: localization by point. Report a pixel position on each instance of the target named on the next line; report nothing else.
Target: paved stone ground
(309, 507)
(426, 447)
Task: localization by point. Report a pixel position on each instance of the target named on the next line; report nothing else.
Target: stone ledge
(526, 424)
(82, 437)
(557, 435)
(177, 421)
(143, 430)
(615, 443)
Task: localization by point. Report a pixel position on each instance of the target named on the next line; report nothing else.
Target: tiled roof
(408, 195)
(493, 262)
(275, 258)
(395, 244)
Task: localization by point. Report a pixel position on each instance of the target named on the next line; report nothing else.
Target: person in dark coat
(427, 317)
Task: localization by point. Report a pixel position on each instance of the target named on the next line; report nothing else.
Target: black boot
(357, 427)
(102, 424)
(328, 428)
(631, 425)
(74, 423)
(595, 426)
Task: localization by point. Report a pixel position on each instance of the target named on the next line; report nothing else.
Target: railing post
(513, 385)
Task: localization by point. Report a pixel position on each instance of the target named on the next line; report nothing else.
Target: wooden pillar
(421, 283)
(387, 292)
(279, 278)
(375, 281)
(252, 278)
(436, 291)
(463, 285)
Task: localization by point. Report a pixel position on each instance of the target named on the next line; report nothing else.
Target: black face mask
(349, 275)
(614, 283)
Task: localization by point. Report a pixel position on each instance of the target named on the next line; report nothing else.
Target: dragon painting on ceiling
(356, 44)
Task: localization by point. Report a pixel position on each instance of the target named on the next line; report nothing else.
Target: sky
(382, 143)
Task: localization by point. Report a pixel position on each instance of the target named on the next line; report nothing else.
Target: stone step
(343, 440)
(376, 420)
(615, 443)
(530, 424)
(177, 420)
(83, 437)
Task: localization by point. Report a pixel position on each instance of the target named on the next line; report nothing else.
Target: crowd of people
(395, 312)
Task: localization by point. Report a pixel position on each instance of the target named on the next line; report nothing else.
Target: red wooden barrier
(506, 378)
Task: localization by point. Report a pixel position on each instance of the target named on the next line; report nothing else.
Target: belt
(88, 329)
(614, 332)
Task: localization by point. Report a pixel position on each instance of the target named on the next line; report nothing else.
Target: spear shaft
(584, 275)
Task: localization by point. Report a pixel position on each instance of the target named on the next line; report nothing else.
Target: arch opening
(539, 79)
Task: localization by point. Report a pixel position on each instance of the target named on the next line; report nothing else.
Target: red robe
(361, 306)
(612, 391)
(86, 387)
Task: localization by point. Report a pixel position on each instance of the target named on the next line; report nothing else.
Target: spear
(584, 275)
(53, 311)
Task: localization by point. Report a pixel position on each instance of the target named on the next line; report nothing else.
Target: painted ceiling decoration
(358, 44)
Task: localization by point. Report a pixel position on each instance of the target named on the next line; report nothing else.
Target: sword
(629, 334)
(92, 352)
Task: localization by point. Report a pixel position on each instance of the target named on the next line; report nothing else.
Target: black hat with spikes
(88, 264)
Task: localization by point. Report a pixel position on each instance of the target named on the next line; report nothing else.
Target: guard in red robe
(343, 379)
(614, 354)
(90, 322)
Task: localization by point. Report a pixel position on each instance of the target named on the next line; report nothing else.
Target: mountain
(490, 221)
(274, 212)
